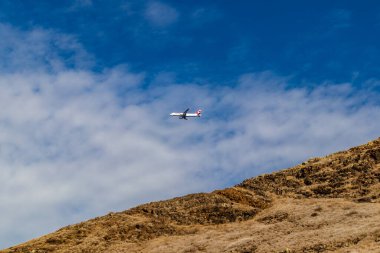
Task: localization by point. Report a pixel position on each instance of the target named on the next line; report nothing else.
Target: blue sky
(86, 88)
(217, 40)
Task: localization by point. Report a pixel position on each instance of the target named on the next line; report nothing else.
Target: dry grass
(329, 204)
(340, 226)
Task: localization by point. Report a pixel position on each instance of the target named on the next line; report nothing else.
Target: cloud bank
(77, 143)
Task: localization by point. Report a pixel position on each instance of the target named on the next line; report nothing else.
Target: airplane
(185, 114)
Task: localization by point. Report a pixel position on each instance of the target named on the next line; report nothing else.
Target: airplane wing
(184, 113)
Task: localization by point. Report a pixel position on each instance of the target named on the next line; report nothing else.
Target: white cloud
(75, 144)
(39, 50)
(160, 14)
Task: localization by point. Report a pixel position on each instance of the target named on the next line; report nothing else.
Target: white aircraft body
(185, 114)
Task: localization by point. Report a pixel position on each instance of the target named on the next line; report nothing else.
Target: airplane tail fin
(199, 112)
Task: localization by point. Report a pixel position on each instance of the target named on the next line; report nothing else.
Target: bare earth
(329, 204)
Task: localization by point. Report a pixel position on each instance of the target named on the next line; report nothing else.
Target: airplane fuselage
(185, 114)
(180, 114)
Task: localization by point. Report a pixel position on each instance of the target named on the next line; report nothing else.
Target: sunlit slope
(329, 204)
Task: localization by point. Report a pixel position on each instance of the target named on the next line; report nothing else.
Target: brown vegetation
(329, 204)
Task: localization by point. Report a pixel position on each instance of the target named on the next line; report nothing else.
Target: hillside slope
(329, 204)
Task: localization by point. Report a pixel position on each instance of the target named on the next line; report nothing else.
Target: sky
(86, 88)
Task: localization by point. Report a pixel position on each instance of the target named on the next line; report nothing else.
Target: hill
(329, 204)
